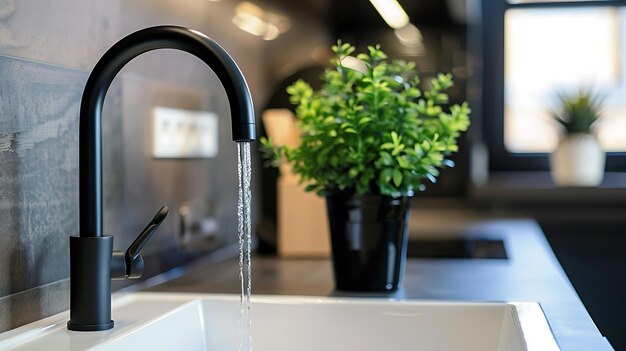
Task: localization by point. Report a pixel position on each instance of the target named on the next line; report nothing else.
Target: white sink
(165, 321)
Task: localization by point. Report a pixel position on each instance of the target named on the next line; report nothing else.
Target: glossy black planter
(369, 236)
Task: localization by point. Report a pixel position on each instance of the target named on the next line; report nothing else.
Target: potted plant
(369, 140)
(578, 160)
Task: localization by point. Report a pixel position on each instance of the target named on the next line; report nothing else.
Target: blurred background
(510, 60)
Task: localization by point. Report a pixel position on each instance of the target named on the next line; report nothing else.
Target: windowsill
(538, 187)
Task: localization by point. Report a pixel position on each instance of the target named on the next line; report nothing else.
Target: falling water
(244, 172)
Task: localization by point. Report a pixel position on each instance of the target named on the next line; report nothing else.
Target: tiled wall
(47, 49)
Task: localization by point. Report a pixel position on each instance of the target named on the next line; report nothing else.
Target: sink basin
(166, 321)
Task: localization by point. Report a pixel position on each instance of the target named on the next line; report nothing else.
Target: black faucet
(92, 261)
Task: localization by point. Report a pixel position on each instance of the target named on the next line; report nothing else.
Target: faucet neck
(90, 130)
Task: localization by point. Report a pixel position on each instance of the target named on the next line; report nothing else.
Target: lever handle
(130, 264)
(135, 248)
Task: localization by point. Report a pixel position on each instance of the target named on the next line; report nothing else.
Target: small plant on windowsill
(578, 112)
(578, 159)
(369, 140)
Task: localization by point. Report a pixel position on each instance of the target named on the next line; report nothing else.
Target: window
(554, 50)
(532, 51)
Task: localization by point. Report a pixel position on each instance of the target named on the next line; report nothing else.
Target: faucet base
(90, 283)
(90, 327)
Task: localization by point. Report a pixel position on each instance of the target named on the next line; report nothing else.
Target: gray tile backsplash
(38, 178)
(47, 49)
(46, 52)
(39, 173)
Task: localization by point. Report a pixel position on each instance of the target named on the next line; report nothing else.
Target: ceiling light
(391, 12)
(255, 20)
(251, 24)
(271, 32)
(410, 36)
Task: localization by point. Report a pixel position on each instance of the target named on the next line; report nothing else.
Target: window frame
(492, 37)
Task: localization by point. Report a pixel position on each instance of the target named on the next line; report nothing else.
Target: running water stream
(244, 172)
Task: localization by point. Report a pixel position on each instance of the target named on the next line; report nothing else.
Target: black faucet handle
(130, 263)
(135, 248)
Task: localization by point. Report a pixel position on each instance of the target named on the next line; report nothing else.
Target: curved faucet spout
(162, 37)
(92, 260)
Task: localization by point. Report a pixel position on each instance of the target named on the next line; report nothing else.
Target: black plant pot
(369, 236)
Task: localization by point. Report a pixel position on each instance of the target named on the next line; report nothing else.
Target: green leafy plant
(371, 132)
(578, 112)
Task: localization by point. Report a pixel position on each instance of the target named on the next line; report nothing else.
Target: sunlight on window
(548, 51)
